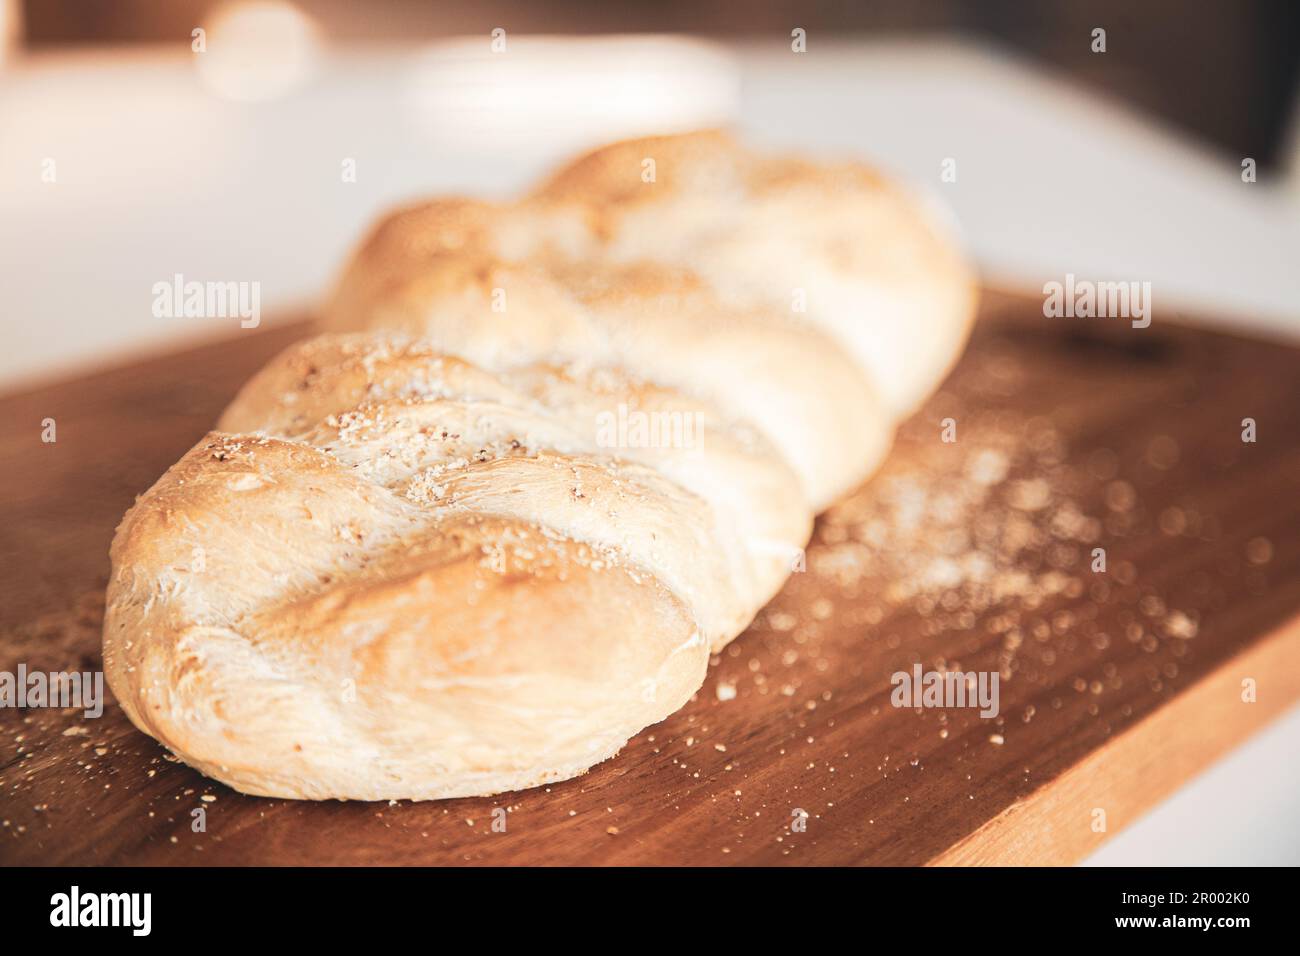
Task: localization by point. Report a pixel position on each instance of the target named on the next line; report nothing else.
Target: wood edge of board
(1142, 765)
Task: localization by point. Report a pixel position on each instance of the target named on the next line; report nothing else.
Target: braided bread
(551, 456)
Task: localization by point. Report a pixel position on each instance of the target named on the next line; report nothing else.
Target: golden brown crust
(862, 257)
(408, 577)
(555, 453)
(616, 175)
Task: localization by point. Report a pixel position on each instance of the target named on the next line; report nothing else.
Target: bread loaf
(551, 456)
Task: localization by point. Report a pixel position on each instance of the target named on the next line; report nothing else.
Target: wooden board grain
(973, 555)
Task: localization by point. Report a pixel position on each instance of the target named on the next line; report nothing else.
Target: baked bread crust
(414, 561)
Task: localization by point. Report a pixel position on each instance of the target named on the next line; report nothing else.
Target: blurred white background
(228, 165)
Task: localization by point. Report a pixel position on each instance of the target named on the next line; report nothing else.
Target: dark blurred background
(1223, 70)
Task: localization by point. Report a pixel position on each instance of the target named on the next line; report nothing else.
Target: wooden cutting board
(974, 555)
